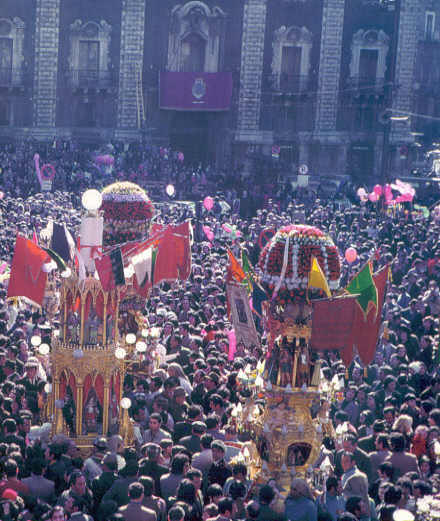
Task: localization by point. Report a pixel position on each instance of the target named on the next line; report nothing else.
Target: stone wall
(131, 58)
(252, 53)
(405, 67)
(329, 66)
(46, 66)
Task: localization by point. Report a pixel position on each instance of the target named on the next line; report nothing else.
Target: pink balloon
(377, 190)
(373, 197)
(208, 203)
(350, 254)
(208, 232)
(1, 195)
(404, 198)
(388, 193)
(180, 156)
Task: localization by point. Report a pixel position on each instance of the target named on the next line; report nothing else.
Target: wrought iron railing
(90, 78)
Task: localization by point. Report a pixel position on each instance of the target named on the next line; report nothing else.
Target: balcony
(90, 79)
(290, 83)
(11, 77)
(367, 85)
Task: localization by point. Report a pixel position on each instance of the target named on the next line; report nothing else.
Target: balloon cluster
(405, 190)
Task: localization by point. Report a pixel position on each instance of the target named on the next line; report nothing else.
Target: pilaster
(251, 70)
(329, 66)
(46, 67)
(131, 63)
(405, 67)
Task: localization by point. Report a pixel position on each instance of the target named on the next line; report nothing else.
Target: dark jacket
(154, 470)
(119, 491)
(192, 443)
(219, 472)
(137, 512)
(101, 484)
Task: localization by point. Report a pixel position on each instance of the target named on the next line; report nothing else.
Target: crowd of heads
(385, 455)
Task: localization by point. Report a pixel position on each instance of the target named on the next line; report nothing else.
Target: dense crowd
(386, 453)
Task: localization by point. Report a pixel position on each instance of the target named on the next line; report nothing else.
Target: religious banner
(195, 91)
(241, 314)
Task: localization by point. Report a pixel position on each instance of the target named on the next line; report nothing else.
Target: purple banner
(195, 91)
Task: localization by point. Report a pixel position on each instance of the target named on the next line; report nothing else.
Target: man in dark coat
(149, 465)
(219, 471)
(119, 490)
(134, 510)
(104, 482)
(192, 443)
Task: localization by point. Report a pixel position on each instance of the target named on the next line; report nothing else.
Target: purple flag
(195, 91)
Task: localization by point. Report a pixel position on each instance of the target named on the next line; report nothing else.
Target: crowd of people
(386, 453)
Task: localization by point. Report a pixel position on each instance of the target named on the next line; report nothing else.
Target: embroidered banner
(195, 91)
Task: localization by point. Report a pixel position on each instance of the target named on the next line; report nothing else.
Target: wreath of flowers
(126, 201)
(305, 242)
(127, 212)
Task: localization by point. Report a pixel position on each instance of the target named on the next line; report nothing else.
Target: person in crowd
(184, 462)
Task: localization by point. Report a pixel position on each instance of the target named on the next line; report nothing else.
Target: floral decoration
(305, 242)
(127, 213)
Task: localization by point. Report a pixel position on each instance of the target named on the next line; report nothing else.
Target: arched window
(369, 51)
(89, 57)
(196, 38)
(11, 51)
(291, 58)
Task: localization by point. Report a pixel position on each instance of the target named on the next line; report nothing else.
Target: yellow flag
(317, 278)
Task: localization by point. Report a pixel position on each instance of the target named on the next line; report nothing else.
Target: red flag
(27, 277)
(333, 325)
(110, 270)
(173, 260)
(35, 237)
(235, 271)
(367, 329)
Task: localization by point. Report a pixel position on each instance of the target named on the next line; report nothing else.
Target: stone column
(329, 66)
(406, 51)
(47, 25)
(251, 70)
(131, 60)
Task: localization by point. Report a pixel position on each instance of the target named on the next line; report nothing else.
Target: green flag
(247, 268)
(363, 286)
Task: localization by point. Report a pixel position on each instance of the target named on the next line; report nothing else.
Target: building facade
(336, 87)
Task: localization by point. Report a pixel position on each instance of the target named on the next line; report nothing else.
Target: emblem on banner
(199, 88)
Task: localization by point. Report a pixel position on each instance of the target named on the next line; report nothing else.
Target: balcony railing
(289, 83)
(10, 77)
(90, 78)
(366, 84)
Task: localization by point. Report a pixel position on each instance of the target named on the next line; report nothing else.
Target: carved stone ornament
(196, 17)
(373, 40)
(14, 29)
(292, 36)
(90, 31)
